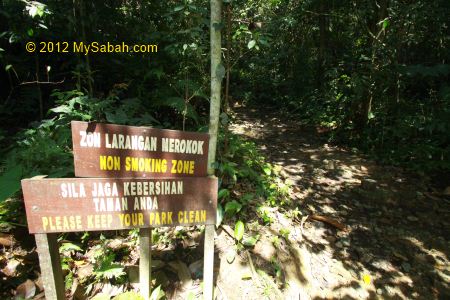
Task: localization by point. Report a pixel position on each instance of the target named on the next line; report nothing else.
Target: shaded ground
(390, 238)
(396, 241)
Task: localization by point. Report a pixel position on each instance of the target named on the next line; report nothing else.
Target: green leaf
(42, 26)
(61, 109)
(32, 11)
(119, 117)
(246, 198)
(10, 182)
(233, 207)
(267, 169)
(385, 24)
(30, 32)
(223, 193)
(219, 215)
(251, 44)
(178, 8)
(250, 241)
(69, 247)
(239, 230)
(109, 271)
(157, 293)
(8, 67)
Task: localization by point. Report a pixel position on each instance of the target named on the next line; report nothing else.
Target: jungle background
(371, 77)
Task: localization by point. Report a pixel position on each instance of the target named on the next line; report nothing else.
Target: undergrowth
(249, 190)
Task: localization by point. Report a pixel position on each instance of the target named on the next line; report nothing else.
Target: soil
(394, 242)
(353, 230)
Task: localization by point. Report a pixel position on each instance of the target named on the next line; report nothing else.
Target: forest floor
(352, 230)
(365, 231)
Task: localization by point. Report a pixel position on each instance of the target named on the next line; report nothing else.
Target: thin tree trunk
(38, 86)
(322, 44)
(216, 43)
(226, 103)
(366, 107)
(83, 36)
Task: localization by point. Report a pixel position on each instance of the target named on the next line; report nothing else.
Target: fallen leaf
(6, 240)
(85, 271)
(26, 290)
(39, 284)
(10, 269)
(231, 256)
(367, 279)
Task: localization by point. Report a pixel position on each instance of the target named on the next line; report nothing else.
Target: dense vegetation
(375, 73)
(372, 75)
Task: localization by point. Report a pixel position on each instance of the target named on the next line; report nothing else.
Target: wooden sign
(96, 204)
(108, 150)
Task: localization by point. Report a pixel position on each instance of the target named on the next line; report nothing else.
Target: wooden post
(50, 264)
(215, 40)
(145, 261)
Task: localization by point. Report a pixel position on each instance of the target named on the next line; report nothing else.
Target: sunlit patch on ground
(396, 240)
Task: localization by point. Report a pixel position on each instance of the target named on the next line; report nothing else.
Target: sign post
(139, 177)
(50, 264)
(145, 261)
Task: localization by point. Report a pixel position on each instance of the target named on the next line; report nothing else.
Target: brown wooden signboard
(108, 150)
(96, 204)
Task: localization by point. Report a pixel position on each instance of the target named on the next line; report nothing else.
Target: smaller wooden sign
(108, 150)
(96, 204)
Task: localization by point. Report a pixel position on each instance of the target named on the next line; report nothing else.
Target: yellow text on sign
(61, 223)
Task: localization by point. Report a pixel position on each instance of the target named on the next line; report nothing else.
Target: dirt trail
(396, 242)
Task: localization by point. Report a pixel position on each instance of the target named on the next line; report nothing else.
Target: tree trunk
(366, 106)
(322, 43)
(216, 44)
(226, 103)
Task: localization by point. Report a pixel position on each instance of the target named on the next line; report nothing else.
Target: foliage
(373, 75)
(239, 230)
(241, 166)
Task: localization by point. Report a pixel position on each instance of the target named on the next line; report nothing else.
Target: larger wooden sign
(96, 204)
(107, 150)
